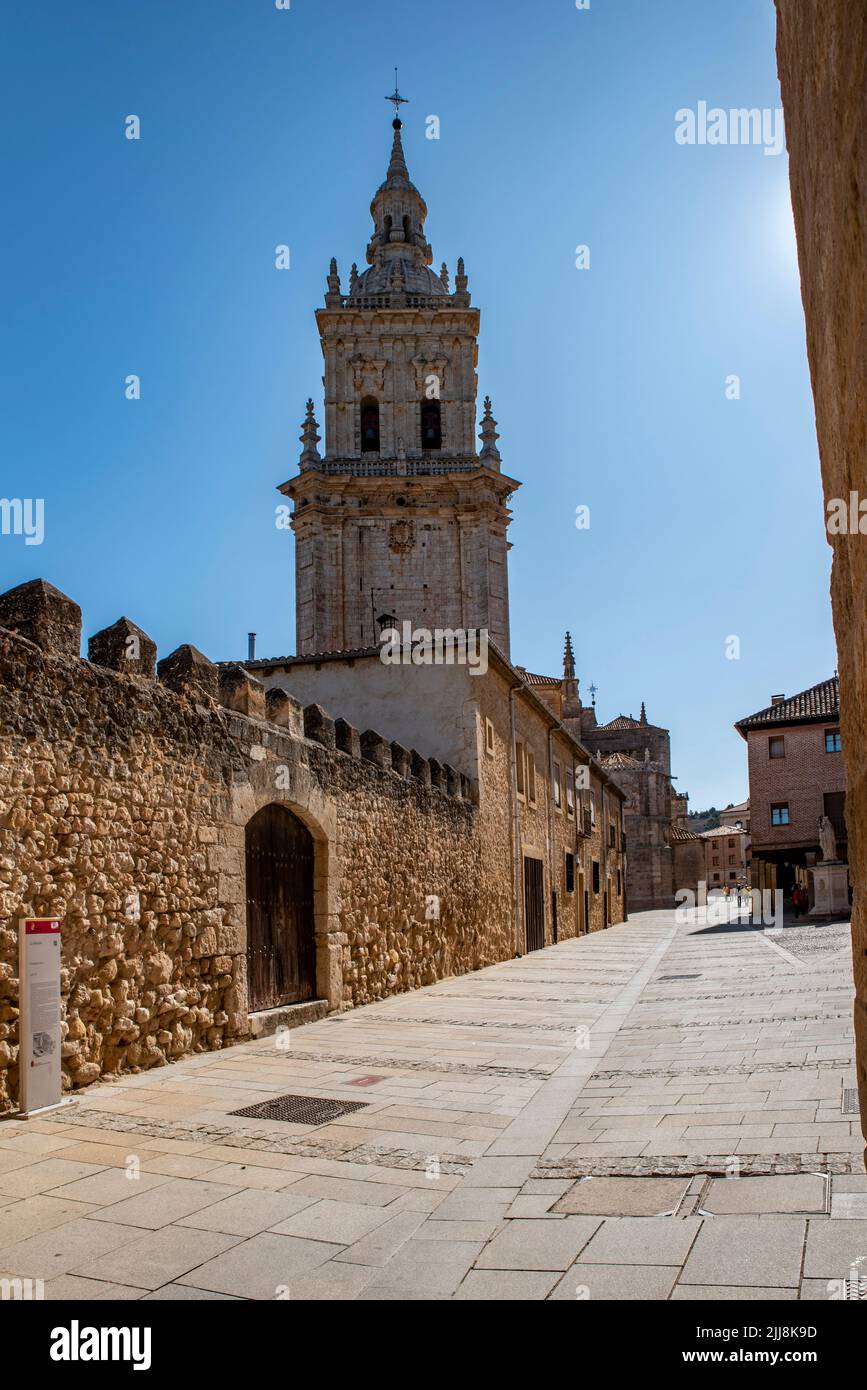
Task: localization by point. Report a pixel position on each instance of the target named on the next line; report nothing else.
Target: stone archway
(281, 940)
(304, 799)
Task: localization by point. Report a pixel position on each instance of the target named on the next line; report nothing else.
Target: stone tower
(403, 515)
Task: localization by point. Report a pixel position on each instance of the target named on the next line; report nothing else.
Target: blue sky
(262, 127)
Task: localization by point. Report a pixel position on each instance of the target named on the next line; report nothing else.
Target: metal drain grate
(855, 1289)
(850, 1100)
(300, 1110)
(680, 977)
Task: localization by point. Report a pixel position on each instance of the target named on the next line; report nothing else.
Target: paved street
(652, 1112)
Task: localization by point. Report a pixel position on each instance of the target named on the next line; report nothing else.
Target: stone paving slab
(717, 1094)
(595, 1282)
(834, 1247)
(623, 1196)
(154, 1259)
(261, 1268)
(806, 1193)
(542, 1245)
(732, 1293)
(758, 1251)
(60, 1250)
(635, 1240)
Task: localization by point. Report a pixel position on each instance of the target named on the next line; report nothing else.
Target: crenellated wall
(125, 791)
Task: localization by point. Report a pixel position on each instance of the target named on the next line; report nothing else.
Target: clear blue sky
(261, 127)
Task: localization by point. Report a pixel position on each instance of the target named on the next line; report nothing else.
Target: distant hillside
(704, 820)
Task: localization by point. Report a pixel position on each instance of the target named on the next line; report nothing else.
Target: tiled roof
(677, 833)
(721, 830)
(623, 721)
(308, 659)
(820, 702)
(531, 679)
(620, 760)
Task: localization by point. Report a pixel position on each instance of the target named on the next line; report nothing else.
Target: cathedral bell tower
(402, 515)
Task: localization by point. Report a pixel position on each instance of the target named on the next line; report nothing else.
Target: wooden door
(534, 905)
(281, 945)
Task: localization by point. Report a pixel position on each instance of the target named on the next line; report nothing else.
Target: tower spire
(569, 659)
(310, 438)
(489, 454)
(399, 212)
(398, 173)
(571, 695)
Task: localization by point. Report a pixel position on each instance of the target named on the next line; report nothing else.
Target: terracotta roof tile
(620, 760)
(532, 679)
(623, 721)
(679, 834)
(820, 702)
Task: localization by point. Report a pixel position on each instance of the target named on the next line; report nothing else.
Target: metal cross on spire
(592, 690)
(396, 98)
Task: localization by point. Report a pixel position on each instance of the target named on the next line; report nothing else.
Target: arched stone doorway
(281, 943)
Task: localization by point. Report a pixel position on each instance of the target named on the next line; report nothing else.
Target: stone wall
(688, 858)
(650, 877)
(123, 805)
(822, 56)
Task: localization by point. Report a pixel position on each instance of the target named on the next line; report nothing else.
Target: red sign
(39, 1019)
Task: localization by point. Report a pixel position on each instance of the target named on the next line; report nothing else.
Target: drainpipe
(516, 827)
(580, 856)
(623, 853)
(606, 896)
(552, 867)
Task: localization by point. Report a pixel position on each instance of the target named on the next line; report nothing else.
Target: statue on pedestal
(827, 840)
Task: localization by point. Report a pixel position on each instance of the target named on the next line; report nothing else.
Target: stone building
(403, 515)
(726, 863)
(233, 848)
(225, 859)
(637, 756)
(797, 775)
(689, 857)
(400, 528)
(822, 57)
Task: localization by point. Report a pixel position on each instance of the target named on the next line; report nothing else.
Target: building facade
(797, 777)
(637, 756)
(726, 857)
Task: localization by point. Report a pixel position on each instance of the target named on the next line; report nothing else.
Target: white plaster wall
(429, 708)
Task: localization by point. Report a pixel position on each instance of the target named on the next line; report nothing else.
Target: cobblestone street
(656, 1111)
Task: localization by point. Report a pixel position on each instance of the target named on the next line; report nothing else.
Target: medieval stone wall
(650, 870)
(123, 806)
(822, 55)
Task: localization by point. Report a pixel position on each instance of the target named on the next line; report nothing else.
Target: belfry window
(370, 425)
(431, 425)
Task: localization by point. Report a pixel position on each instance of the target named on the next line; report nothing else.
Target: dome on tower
(384, 276)
(398, 253)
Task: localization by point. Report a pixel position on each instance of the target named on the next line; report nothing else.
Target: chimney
(251, 646)
(777, 699)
